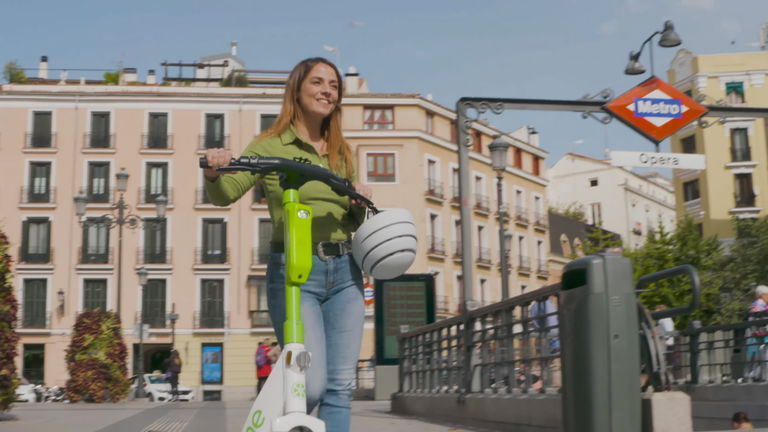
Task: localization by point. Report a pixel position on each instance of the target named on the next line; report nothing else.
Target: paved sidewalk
(138, 416)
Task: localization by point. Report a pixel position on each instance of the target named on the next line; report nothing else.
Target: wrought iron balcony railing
(434, 189)
(25, 256)
(99, 141)
(34, 195)
(153, 256)
(33, 318)
(260, 318)
(210, 141)
(157, 142)
(211, 256)
(435, 245)
(215, 320)
(38, 140)
(95, 256)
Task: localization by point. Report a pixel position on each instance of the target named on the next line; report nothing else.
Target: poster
(213, 359)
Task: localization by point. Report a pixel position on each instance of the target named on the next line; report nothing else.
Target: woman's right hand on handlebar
(217, 158)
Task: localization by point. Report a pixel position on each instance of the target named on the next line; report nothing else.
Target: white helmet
(385, 244)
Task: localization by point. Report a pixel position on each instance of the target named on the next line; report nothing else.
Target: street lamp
(119, 216)
(668, 39)
(499, 149)
(142, 273)
(173, 316)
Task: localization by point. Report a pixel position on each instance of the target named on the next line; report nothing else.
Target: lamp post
(173, 316)
(668, 39)
(142, 273)
(120, 216)
(499, 149)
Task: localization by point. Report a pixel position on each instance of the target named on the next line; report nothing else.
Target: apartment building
(61, 139)
(612, 197)
(735, 179)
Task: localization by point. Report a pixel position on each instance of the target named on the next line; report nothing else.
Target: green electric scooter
(281, 406)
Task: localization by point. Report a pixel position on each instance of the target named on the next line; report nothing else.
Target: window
(39, 182)
(259, 194)
(33, 367)
(734, 93)
(477, 141)
(481, 200)
(157, 138)
(95, 242)
(214, 241)
(536, 166)
(257, 302)
(212, 303)
(740, 145)
(94, 294)
(214, 131)
(41, 130)
(266, 121)
(155, 241)
(691, 190)
(33, 308)
(518, 158)
(434, 186)
(596, 213)
(36, 240)
(565, 246)
(455, 184)
(381, 167)
(153, 303)
(265, 240)
(98, 182)
(522, 253)
(745, 194)
(430, 123)
(689, 144)
(156, 181)
(484, 297)
(100, 131)
(593, 182)
(378, 118)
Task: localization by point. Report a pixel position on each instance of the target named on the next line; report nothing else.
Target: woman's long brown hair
(339, 152)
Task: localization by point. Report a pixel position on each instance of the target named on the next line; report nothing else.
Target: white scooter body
(281, 406)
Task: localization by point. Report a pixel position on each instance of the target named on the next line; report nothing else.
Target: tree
(745, 265)
(235, 79)
(96, 359)
(8, 337)
(598, 240)
(13, 73)
(574, 210)
(112, 78)
(663, 250)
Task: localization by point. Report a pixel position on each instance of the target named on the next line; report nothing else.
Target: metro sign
(655, 109)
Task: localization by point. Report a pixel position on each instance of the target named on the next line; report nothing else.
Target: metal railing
(156, 142)
(540, 220)
(33, 320)
(208, 142)
(210, 320)
(455, 197)
(456, 250)
(147, 256)
(40, 140)
(260, 318)
(91, 257)
(201, 197)
(31, 195)
(521, 214)
(147, 197)
(95, 197)
(260, 255)
(26, 257)
(498, 349)
(741, 154)
(482, 203)
(156, 320)
(483, 256)
(204, 256)
(435, 245)
(542, 269)
(434, 188)
(99, 141)
(523, 263)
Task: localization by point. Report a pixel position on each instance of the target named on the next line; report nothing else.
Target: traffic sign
(655, 109)
(658, 160)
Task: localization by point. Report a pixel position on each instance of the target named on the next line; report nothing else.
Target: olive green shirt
(332, 218)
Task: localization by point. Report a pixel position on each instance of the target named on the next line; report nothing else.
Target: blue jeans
(333, 313)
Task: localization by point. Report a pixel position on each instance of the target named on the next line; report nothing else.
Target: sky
(557, 49)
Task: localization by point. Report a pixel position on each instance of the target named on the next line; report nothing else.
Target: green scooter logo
(257, 421)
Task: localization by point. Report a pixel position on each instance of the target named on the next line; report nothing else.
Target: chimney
(63, 78)
(353, 84)
(151, 77)
(533, 136)
(128, 76)
(42, 71)
(233, 48)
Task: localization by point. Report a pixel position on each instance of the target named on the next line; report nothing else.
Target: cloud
(699, 4)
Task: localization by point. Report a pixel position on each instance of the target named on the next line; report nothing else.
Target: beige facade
(205, 262)
(735, 181)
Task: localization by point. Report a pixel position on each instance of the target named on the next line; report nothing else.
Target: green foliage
(746, 263)
(112, 78)
(8, 337)
(13, 73)
(685, 245)
(598, 240)
(96, 359)
(235, 79)
(574, 210)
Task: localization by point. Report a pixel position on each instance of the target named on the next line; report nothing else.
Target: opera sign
(658, 160)
(655, 109)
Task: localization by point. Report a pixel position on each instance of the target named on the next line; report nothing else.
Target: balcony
(219, 320)
(540, 221)
(482, 203)
(741, 154)
(206, 142)
(260, 255)
(40, 141)
(95, 257)
(155, 320)
(32, 195)
(146, 196)
(483, 256)
(521, 215)
(434, 190)
(93, 197)
(33, 318)
(101, 142)
(746, 200)
(38, 257)
(151, 256)
(542, 270)
(455, 198)
(157, 142)
(456, 249)
(442, 305)
(435, 246)
(524, 264)
(692, 206)
(211, 256)
(260, 318)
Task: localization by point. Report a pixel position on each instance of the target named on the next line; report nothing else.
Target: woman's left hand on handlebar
(363, 190)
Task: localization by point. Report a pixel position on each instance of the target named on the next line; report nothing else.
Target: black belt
(324, 250)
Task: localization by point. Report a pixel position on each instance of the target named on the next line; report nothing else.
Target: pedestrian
(172, 367)
(757, 342)
(740, 421)
(263, 366)
(332, 306)
(274, 352)
(761, 301)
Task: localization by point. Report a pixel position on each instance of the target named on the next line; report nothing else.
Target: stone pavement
(141, 416)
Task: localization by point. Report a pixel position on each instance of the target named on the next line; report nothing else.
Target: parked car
(158, 389)
(25, 392)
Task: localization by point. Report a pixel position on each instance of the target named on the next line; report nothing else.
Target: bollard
(600, 346)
